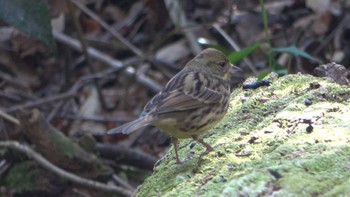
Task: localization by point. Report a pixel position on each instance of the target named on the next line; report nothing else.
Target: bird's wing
(185, 91)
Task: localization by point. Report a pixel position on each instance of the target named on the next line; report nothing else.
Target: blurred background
(72, 69)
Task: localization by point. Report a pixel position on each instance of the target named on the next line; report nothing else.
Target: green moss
(318, 173)
(29, 179)
(21, 177)
(65, 145)
(264, 137)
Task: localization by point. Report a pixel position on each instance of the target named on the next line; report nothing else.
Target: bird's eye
(222, 64)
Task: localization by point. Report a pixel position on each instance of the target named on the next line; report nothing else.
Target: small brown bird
(192, 102)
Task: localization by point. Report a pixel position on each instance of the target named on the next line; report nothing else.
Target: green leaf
(29, 16)
(296, 51)
(239, 55)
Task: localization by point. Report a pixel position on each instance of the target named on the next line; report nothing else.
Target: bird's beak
(234, 69)
(236, 76)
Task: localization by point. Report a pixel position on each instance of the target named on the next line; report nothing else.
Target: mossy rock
(290, 138)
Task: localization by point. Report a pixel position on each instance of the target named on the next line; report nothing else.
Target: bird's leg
(207, 146)
(175, 143)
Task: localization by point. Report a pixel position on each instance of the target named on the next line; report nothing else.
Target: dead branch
(87, 11)
(127, 156)
(60, 172)
(42, 101)
(98, 55)
(68, 154)
(178, 17)
(9, 117)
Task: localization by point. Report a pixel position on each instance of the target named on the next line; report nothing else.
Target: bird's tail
(130, 126)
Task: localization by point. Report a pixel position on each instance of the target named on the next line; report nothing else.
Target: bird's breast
(192, 122)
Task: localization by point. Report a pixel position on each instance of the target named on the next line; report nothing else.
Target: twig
(326, 40)
(98, 55)
(54, 111)
(81, 193)
(9, 96)
(121, 182)
(9, 117)
(84, 47)
(70, 93)
(74, 90)
(60, 172)
(87, 11)
(178, 17)
(127, 156)
(42, 101)
(234, 46)
(94, 53)
(143, 79)
(229, 17)
(98, 118)
(13, 80)
(4, 165)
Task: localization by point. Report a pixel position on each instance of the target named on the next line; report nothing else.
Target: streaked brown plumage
(192, 102)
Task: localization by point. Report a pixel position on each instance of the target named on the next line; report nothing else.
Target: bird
(191, 103)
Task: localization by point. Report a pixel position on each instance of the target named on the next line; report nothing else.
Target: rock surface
(292, 137)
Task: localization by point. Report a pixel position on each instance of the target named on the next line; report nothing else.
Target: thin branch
(87, 11)
(70, 93)
(124, 155)
(60, 172)
(42, 101)
(84, 47)
(97, 118)
(325, 41)
(178, 17)
(10, 97)
(74, 89)
(94, 53)
(9, 117)
(54, 111)
(120, 181)
(4, 165)
(234, 46)
(98, 55)
(13, 80)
